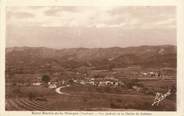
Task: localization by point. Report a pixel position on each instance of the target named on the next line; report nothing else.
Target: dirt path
(58, 90)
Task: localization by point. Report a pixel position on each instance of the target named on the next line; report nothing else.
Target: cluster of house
(50, 84)
(100, 83)
(91, 81)
(151, 74)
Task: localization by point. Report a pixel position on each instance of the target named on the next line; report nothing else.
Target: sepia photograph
(91, 58)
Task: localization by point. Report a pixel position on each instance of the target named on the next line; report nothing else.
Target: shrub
(45, 78)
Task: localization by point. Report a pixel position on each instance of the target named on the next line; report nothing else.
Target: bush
(45, 78)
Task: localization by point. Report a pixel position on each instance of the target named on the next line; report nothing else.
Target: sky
(90, 26)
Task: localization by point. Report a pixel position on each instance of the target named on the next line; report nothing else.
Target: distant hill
(37, 58)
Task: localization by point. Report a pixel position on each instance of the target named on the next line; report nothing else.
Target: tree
(45, 78)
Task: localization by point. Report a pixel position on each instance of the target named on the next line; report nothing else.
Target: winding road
(58, 90)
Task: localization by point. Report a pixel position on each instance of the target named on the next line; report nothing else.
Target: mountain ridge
(115, 57)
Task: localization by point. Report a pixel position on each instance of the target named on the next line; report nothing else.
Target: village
(110, 80)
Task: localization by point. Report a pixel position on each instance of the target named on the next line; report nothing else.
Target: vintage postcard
(101, 57)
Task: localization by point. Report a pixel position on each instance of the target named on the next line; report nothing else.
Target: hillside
(33, 59)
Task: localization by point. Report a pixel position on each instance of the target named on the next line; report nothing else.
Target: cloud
(90, 26)
(20, 15)
(146, 16)
(55, 10)
(166, 22)
(126, 17)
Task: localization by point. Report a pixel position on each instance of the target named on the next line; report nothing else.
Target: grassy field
(87, 98)
(89, 101)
